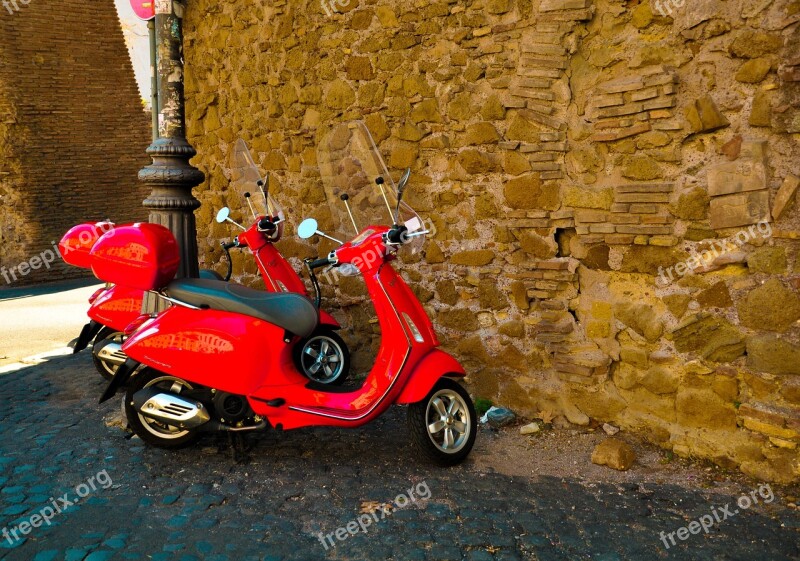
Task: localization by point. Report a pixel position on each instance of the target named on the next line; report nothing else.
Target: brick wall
(72, 128)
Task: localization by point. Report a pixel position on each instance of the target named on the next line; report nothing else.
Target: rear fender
(326, 319)
(426, 373)
(117, 307)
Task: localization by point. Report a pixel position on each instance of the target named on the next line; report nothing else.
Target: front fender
(426, 373)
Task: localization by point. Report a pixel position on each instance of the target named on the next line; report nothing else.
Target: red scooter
(220, 359)
(323, 356)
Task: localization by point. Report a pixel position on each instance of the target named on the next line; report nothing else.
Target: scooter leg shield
(121, 376)
(427, 372)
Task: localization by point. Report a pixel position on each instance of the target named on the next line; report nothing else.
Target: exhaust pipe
(170, 409)
(111, 353)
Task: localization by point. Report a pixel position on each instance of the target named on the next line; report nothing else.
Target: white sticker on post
(163, 6)
(413, 224)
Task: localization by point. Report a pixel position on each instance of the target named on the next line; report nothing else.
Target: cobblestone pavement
(199, 504)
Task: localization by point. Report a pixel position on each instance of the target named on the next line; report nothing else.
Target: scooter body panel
(396, 308)
(221, 350)
(117, 307)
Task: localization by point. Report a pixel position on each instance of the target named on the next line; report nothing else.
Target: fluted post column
(171, 176)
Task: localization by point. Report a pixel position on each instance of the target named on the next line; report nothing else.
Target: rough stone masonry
(569, 152)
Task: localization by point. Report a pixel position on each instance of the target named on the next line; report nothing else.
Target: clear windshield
(246, 180)
(350, 164)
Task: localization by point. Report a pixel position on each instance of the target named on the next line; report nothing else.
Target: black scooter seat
(293, 312)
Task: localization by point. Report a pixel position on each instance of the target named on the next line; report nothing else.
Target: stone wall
(612, 189)
(72, 129)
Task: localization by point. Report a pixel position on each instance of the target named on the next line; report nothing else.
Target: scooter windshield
(246, 179)
(352, 168)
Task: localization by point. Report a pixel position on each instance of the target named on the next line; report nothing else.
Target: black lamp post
(171, 176)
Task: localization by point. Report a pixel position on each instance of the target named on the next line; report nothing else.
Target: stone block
(736, 177)
(713, 338)
(704, 116)
(615, 454)
(771, 307)
(702, 408)
(784, 196)
(740, 209)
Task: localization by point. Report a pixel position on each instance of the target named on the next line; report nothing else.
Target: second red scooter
(323, 356)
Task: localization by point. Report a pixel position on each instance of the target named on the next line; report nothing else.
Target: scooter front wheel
(444, 424)
(150, 430)
(323, 357)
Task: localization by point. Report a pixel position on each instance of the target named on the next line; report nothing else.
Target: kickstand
(239, 447)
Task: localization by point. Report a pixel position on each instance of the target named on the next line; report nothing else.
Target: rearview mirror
(307, 228)
(223, 214)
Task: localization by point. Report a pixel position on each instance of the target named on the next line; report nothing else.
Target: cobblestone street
(199, 504)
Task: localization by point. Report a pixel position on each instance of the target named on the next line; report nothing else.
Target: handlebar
(317, 263)
(230, 245)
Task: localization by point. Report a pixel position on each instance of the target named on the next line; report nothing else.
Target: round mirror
(403, 180)
(223, 214)
(307, 228)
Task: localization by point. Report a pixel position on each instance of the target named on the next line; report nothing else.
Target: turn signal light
(136, 324)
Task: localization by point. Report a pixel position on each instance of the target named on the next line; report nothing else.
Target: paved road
(40, 319)
(199, 504)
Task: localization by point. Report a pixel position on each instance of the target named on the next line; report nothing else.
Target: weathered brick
(646, 230)
(642, 198)
(647, 93)
(72, 129)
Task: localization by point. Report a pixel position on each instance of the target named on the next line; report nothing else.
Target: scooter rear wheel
(106, 369)
(149, 430)
(444, 424)
(323, 357)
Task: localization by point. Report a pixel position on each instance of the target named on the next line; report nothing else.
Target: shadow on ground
(199, 504)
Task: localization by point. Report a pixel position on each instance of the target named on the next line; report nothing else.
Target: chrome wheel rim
(109, 367)
(447, 420)
(157, 428)
(322, 359)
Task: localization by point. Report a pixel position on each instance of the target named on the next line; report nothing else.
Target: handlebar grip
(316, 264)
(397, 235)
(229, 245)
(266, 225)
